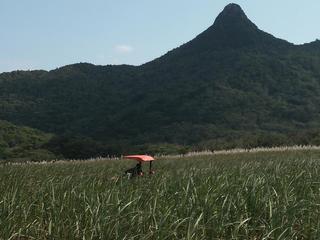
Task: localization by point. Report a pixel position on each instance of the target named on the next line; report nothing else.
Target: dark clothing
(137, 170)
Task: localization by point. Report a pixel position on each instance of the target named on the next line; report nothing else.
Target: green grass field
(272, 195)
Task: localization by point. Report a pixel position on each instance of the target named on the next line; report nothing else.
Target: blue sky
(46, 34)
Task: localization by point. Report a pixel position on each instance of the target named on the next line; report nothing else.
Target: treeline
(71, 147)
(79, 147)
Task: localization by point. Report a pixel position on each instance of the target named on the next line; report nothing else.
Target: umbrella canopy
(140, 158)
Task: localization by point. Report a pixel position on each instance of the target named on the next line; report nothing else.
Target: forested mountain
(233, 85)
(23, 143)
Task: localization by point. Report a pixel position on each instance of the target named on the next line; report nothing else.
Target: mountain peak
(233, 29)
(233, 8)
(232, 15)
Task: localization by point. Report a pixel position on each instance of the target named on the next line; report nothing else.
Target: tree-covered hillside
(233, 85)
(23, 143)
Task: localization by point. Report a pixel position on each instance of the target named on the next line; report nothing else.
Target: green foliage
(23, 143)
(72, 147)
(236, 196)
(161, 149)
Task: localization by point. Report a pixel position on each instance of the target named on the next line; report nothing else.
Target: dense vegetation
(232, 85)
(238, 196)
(23, 143)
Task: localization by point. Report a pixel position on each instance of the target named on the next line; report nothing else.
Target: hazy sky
(46, 34)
